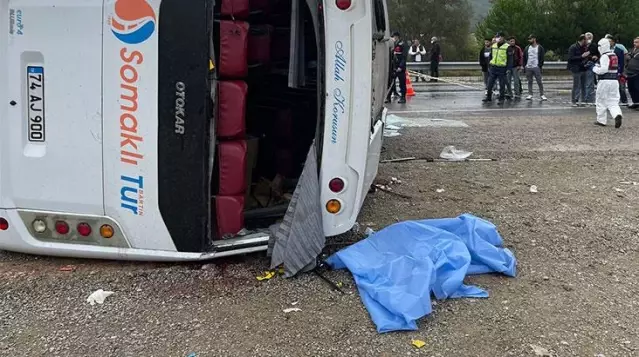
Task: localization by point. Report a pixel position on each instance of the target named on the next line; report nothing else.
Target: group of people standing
(584, 55)
(401, 53)
(418, 53)
(611, 68)
(503, 62)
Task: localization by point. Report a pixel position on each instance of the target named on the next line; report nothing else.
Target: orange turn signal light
(333, 206)
(106, 231)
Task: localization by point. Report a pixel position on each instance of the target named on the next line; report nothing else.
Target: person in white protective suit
(608, 85)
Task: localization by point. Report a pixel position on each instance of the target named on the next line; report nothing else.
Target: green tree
(518, 18)
(448, 20)
(558, 23)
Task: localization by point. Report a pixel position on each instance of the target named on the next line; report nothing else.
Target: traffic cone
(410, 92)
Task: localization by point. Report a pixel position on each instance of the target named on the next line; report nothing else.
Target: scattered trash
(452, 154)
(400, 159)
(395, 180)
(618, 189)
(267, 275)
(629, 183)
(292, 309)
(533, 189)
(68, 268)
(356, 227)
(398, 268)
(207, 267)
(98, 296)
(565, 343)
(388, 190)
(339, 284)
(440, 190)
(192, 354)
(281, 269)
(418, 343)
(243, 232)
(540, 351)
(368, 231)
(295, 303)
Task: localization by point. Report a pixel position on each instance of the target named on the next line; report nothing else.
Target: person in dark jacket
(484, 60)
(632, 73)
(591, 60)
(620, 57)
(577, 55)
(517, 61)
(398, 66)
(534, 55)
(435, 58)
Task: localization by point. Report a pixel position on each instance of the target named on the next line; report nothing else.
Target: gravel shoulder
(576, 240)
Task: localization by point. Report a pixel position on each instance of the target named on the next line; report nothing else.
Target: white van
(159, 129)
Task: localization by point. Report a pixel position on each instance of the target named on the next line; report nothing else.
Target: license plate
(35, 103)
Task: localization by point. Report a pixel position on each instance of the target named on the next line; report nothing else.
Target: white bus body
(81, 116)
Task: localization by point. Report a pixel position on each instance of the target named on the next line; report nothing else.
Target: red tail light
(336, 185)
(61, 227)
(343, 4)
(84, 229)
(4, 224)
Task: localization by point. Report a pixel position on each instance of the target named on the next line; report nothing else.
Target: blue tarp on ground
(397, 268)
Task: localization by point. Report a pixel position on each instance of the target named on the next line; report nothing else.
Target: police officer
(398, 66)
(498, 68)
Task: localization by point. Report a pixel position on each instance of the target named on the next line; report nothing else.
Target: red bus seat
(231, 168)
(233, 51)
(231, 109)
(229, 215)
(235, 9)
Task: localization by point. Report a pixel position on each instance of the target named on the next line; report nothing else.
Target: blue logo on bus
(132, 194)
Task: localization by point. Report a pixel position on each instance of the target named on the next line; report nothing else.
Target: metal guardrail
(461, 66)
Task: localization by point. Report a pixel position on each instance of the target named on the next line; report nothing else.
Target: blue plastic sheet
(397, 268)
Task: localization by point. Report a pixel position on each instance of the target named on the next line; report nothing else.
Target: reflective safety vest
(613, 67)
(500, 55)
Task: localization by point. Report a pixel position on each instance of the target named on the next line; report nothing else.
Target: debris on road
(292, 309)
(440, 190)
(388, 190)
(540, 351)
(450, 153)
(98, 296)
(403, 159)
(533, 189)
(68, 268)
(267, 275)
(368, 231)
(418, 343)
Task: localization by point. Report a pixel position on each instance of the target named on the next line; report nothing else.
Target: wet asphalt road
(464, 99)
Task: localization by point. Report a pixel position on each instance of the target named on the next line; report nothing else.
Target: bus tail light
(343, 4)
(39, 226)
(336, 185)
(106, 231)
(4, 224)
(333, 206)
(84, 229)
(61, 227)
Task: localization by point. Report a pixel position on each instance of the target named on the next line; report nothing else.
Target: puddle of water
(394, 123)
